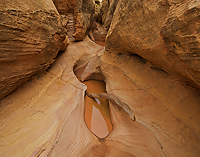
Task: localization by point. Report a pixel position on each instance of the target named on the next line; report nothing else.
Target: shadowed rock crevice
(82, 12)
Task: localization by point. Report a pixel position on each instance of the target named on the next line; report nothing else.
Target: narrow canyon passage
(99, 78)
(97, 114)
(70, 26)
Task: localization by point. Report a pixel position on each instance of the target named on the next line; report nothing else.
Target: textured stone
(153, 113)
(31, 36)
(107, 10)
(83, 16)
(151, 98)
(65, 6)
(96, 15)
(181, 34)
(104, 10)
(45, 117)
(82, 10)
(163, 32)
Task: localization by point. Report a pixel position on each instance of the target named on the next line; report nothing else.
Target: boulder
(181, 34)
(32, 33)
(163, 32)
(83, 15)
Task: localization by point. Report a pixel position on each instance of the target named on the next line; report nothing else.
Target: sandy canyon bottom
(151, 113)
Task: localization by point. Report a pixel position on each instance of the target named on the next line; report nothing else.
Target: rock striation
(32, 33)
(166, 33)
(150, 97)
(45, 116)
(151, 52)
(181, 34)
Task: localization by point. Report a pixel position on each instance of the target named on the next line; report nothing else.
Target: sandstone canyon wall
(150, 66)
(45, 116)
(82, 11)
(166, 33)
(32, 33)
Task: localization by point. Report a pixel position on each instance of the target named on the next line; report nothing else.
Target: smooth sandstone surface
(162, 104)
(45, 116)
(159, 102)
(154, 112)
(33, 117)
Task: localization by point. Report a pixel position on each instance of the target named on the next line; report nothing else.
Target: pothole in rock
(97, 113)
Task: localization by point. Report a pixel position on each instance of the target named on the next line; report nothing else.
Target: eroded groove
(97, 112)
(114, 101)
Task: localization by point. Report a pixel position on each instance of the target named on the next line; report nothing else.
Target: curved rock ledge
(45, 117)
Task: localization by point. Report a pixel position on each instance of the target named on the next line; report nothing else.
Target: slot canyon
(100, 78)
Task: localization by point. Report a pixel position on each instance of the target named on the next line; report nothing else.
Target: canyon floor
(156, 115)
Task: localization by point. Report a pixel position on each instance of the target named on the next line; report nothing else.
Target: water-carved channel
(97, 114)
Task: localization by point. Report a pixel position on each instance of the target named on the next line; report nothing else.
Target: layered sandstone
(45, 117)
(32, 33)
(151, 52)
(166, 33)
(151, 98)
